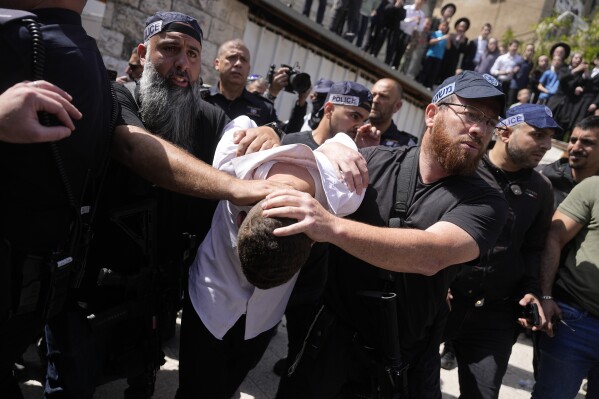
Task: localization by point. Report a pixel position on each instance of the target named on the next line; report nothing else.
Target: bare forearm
(168, 166)
(549, 264)
(401, 249)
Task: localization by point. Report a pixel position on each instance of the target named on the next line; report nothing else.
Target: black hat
(323, 85)
(350, 93)
(535, 115)
(172, 22)
(560, 44)
(448, 5)
(463, 19)
(470, 84)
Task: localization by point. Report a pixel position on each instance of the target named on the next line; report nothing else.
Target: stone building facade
(123, 25)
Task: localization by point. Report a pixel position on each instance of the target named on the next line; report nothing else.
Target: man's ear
(504, 135)
(329, 107)
(397, 106)
(429, 114)
(142, 51)
(216, 63)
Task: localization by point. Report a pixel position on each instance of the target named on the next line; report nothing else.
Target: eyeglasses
(474, 115)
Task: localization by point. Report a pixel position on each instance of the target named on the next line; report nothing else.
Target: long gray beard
(168, 111)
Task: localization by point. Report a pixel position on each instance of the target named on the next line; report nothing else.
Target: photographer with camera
(291, 80)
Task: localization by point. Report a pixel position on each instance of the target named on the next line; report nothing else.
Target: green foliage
(507, 37)
(549, 31)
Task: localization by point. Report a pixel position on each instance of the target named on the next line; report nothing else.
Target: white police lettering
(343, 99)
(491, 79)
(514, 120)
(444, 92)
(548, 112)
(152, 29)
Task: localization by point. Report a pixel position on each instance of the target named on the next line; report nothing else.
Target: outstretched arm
(400, 250)
(172, 168)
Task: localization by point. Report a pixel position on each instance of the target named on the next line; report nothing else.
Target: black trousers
(211, 368)
(341, 369)
(482, 338)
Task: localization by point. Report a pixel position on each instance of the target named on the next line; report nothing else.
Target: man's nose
(182, 62)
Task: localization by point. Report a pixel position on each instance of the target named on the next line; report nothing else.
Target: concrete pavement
(262, 383)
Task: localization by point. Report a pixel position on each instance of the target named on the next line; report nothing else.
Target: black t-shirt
(466, 201)
(393, 137)
(300, 138)
(254, 106)
(510, 268)
(175, 213)
(35, 214)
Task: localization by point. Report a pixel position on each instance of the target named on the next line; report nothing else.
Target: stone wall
(123, 25)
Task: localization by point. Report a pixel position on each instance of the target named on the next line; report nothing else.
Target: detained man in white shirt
(228, 321)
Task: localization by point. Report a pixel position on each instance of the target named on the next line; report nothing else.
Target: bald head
(386, 101)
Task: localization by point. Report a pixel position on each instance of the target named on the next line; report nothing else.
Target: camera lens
(300, 82)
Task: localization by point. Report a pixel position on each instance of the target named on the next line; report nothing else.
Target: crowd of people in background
(432, 49)
(450, 238)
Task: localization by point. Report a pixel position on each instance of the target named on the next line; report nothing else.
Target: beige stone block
(130, 22)
(220, 32)
(223, 8)
(108, 14)
(238, 17)
(131, 3)
(185, 7)
(111, 42)
(209, 50)
(151, 7)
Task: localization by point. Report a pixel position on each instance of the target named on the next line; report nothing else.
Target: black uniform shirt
(254, 106)
(510, 269)
(34, 211)
(393, 137)
(466, 201)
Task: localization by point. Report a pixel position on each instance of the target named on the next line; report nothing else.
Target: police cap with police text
(323, 85)
(350, 93)
(535, 115)
(471, 85)
(170, 21)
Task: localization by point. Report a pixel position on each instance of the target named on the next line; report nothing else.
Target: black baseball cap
(535, 115)
(350, 93)
(170, 21)
(323, 85)
(470, 84)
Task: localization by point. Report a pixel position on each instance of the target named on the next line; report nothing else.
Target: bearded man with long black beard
(169, 111)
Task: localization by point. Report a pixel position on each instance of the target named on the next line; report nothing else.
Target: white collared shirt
(218, 289)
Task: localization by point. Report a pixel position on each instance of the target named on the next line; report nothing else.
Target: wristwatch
(275, 126)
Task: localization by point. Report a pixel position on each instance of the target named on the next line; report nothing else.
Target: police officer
(229, 94)
(489, 299)
(390, 267)
(138, 266)
(43, 184)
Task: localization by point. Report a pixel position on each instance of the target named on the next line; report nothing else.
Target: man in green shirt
(568, 353)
